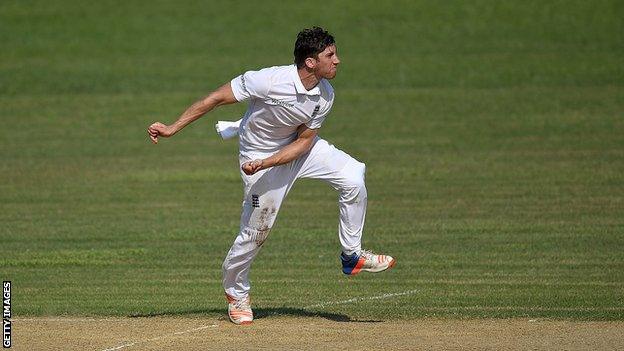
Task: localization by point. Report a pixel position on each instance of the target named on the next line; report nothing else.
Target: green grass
(492, 133)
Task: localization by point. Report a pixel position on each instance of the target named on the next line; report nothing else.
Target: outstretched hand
(251, 167)
(158, 129)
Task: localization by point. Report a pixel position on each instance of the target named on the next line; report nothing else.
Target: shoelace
(368, 254)
(242, 304)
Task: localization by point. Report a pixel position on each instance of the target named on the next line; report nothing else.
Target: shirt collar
(299, 85)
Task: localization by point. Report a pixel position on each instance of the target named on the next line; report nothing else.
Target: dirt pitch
(311, 333)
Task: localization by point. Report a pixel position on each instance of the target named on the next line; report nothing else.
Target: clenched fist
(158, 129)
(251, 167)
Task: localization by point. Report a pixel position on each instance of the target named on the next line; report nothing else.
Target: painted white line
(360, 299)
(120, 347)
(159, 337)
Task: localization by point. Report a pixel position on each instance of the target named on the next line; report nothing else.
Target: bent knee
(355, 174)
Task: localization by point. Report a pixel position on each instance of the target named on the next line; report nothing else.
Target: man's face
(327, 63)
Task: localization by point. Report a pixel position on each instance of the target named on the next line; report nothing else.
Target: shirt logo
(281, 103)
(243, 83)
(316, 110)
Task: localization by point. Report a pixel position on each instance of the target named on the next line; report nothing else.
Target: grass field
(493, 133)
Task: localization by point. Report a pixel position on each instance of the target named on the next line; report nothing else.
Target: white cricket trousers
(263, 196)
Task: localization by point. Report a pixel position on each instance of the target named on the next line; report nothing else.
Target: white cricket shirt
(278, 105)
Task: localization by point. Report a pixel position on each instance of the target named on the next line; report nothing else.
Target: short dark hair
(311, 42)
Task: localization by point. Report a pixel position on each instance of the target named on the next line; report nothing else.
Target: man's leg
(346, 175)
(263, 196)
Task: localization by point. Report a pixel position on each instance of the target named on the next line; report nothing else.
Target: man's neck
(307, 77)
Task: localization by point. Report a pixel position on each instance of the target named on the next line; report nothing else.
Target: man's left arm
(301, 145)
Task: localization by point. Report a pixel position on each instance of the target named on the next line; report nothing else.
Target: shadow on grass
(299, 312)
(261, 313)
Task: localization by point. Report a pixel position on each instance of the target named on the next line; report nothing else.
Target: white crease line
(159, 337)
(120, 347)
(359, 299)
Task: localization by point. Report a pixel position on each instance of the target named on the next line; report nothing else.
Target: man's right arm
(221, 96)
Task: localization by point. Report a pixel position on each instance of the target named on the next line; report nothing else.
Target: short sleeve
(252, 84)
